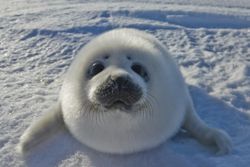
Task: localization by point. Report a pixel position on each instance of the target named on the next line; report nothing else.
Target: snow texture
(210, 40)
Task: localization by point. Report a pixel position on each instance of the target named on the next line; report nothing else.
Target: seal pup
(124, 93)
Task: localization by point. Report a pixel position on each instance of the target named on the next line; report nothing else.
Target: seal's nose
(119, 90)
(121, 79)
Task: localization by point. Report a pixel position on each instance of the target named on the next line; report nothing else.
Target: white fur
(122, 132)
(164, 107)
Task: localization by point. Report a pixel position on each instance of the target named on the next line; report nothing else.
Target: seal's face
(116, 82)
(120, 93)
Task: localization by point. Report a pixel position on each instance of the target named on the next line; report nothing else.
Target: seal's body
(124, 93)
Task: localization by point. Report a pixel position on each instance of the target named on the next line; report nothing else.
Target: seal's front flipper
(47, 125)
(206, 134)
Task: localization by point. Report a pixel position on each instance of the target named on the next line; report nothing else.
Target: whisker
(93, 112)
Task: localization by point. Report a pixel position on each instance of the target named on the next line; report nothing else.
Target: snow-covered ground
(210, 40)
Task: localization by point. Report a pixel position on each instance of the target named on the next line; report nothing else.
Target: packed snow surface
(210, 40)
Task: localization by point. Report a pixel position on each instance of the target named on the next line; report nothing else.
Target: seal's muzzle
(118, 92)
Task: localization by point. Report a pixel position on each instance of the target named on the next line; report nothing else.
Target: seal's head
(116, 92)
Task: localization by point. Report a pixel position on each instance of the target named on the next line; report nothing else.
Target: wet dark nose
(119, 90)
(121, 79)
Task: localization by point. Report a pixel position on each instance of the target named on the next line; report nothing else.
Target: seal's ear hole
(140, 70)
(94, 69)
(129, 57)
(106, 57)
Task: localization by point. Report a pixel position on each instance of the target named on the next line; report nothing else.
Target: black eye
(140, 70)
(95, 68)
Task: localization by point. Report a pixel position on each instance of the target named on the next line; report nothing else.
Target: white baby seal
(123, 93)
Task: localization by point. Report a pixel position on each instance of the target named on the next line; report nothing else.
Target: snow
(210, 40)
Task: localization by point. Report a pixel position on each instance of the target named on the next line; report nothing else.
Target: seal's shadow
(64, 149)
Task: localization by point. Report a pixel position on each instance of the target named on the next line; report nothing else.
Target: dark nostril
(120, 80)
